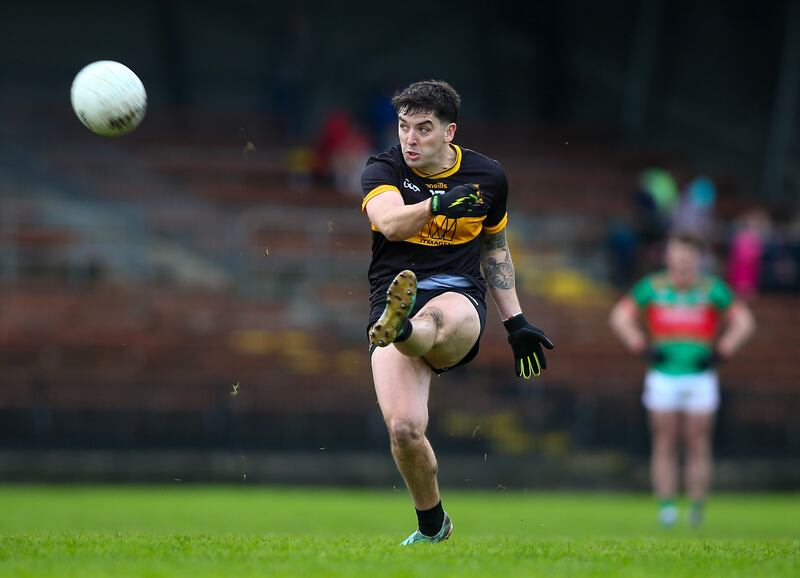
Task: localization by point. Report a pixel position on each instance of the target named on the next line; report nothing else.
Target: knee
(405, 433)
(698, 445)
(434, 315)
(665, 442)
(446, 326)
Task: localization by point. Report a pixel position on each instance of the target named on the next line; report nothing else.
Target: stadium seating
(263, 286)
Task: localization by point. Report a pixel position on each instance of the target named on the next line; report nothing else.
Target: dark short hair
(434, 96)
(689, 238)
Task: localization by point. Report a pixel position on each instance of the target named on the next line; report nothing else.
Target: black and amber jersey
(443, 245)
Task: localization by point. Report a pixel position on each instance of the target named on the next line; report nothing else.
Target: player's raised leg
(443, 331)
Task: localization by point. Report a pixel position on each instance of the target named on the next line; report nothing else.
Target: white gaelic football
(108, 98)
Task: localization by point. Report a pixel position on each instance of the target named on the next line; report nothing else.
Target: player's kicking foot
(400, 298)
(419, 538)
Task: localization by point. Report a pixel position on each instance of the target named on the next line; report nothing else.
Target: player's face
(424, 140)
(683, 262)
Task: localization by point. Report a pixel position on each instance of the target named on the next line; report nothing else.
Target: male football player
(438, 217)
(673, 317)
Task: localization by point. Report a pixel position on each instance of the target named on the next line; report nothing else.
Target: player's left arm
(525, 339)
(739, 326)
(498, 270)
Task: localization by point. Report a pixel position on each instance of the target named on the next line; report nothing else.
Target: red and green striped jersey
(682, 322)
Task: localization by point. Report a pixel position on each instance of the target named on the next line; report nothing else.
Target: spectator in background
(746, 252)
(623, 247)
(656, 198)
(637, 247)
(694, 215)
(382, 120)
(780, 266)
(695, 212)
(671, 318)
(340, 152)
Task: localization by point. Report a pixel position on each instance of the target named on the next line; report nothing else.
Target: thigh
(664, 426)
(697, 428)
(662, 393)
(701, 393)
(402, 385)
(459, 329)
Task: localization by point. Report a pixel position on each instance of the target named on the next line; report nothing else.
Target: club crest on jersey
(439, 231)
(409, 185)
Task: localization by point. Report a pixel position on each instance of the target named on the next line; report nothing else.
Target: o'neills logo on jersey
(434, 186)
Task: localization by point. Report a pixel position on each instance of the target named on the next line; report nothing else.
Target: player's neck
(446, 162)
(683, 283)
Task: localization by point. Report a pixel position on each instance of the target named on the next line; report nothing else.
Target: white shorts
(694, 393)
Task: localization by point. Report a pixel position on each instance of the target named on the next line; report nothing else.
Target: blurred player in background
(672, 317)
(438, 217)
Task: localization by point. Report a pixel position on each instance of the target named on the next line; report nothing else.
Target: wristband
(514, 323)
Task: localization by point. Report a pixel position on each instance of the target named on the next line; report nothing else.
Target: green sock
(697, 507)
(696, 512)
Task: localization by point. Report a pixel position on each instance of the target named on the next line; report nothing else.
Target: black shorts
(423, 296)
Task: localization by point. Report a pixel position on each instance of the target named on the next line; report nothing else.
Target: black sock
(430, 521)
(405, 331)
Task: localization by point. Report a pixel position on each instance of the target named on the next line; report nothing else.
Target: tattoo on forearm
(500, 274)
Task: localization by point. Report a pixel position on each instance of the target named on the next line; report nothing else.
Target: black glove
(710, 361)
(460, 201)
(526, 341)
(654, 355)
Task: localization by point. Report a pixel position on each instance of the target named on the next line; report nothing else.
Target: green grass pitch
(198, 531)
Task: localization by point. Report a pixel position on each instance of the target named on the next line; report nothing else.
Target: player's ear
(449, 132)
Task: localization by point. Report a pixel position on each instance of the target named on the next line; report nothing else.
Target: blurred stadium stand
(191, 290)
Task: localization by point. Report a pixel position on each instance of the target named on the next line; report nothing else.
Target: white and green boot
(668, 513)
(418, 537)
